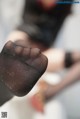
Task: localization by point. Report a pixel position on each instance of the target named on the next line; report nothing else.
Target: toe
(12, 49)
(26, 53)
(39, 63)
(35, 52)
(18, 50)
(8, 47)
(30, 53)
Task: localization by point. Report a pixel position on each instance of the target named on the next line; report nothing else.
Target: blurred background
(66, 105)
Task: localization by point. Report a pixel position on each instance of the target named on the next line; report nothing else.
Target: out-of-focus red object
(38, 99)
(37, 102)
(47, 4)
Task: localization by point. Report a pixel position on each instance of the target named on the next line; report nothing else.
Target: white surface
(10, 16)
(53, 110)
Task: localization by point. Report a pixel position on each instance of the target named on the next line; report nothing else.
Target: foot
(20, 67)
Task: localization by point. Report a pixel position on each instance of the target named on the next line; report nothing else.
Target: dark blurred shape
(46, 23)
